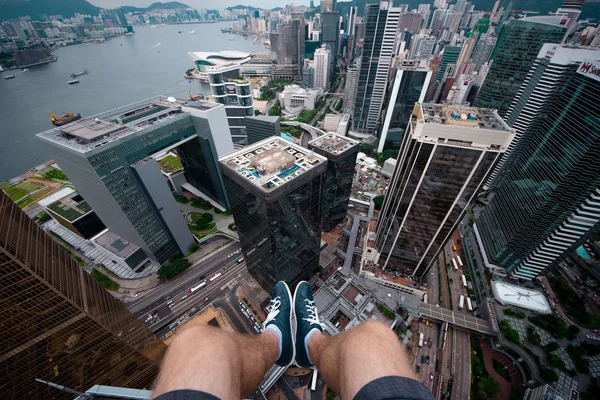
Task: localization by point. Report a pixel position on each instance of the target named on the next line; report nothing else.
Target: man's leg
(224, 364)
(229, 365)
(354, 358)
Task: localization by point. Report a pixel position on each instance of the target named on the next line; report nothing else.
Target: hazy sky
(214, 4)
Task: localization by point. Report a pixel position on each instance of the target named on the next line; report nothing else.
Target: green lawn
(170, 164)
(19, 193)
(205, 232)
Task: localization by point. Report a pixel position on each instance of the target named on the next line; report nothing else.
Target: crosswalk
(91, 252)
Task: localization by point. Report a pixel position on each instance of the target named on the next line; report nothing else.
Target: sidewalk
(505, 386)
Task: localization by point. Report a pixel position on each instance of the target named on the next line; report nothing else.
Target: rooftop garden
(170, 164)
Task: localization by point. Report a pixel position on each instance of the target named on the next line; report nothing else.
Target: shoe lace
(274, 307)
(313, 317)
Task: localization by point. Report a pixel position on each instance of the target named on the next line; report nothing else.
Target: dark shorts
(386, 388)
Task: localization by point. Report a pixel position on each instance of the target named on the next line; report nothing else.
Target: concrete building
(330, 32)
(287, 56)
(331, 123)
(341, 154)
(261, 127)
(209, 59)
(546, 201)
(388, 167)
(410, 22)
(69, 209)
(350, 88)
(308, 73)
(109, 158)
(55, 311)
(276, 194)
(379, 48)
(229, 88)
(409, 87)
(322, 68)
(483, 51)
(446, 154)
(295, 99)
(344, 125)
(421, 46)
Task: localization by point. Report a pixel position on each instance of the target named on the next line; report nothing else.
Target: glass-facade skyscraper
(276, 193)
(58, 324)
(446, 154)
(517, 47)
(109, 159)
(341, 155)
(547, 201)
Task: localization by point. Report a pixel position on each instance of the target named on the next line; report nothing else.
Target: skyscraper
(446, 70)
(483, 51)
(518, 45)
(378, 50)
(410, 22)
(408, 88)
(421, 46)
(109, 159)
(547, 202)
(446, 153)
(261, 127)
(285, 51)
(350, 87)
(276, 190)
(58, 324)
(340, 152)
(322, 68)
(328, 6)
(330, 32)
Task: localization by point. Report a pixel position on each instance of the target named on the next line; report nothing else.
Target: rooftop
(66, 203)
(115, 244)
(333, 143)
(473, 117)
(521, 297)
(272, 162)
(98, 130)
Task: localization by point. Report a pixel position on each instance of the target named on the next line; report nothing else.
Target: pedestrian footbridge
(459, 321)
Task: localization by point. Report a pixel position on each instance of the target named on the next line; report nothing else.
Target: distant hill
(172, 5)
(66, 8)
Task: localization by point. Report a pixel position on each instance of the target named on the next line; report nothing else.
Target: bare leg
(354, 358)
(224, 364)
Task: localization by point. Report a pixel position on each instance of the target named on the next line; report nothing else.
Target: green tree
(256, 112)
(204, 221)
(42, 217)
(104, 280)
(573, 332)
(548, 375)
(552, 346)
(378, 200)
(175, 266)
(389, 153)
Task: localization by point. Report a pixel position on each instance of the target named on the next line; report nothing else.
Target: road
(461, 384)
(426, 369)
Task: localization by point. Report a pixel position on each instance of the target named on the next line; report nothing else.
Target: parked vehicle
(418, 368)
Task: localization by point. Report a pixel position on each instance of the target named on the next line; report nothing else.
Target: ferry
(84, 72)
(193, 32)
(73, 81)
(9, 77)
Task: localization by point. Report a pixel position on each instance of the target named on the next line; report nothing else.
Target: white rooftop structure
(217, 58)
(522, 297)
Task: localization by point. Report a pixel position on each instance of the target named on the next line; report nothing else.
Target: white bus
(454, 263)
(214, 277)
(421, 337)
(459, 260)
(469, 305)
(198, 287)
(461, 303)
(464, 281)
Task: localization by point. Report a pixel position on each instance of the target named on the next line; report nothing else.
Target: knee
(372, 329)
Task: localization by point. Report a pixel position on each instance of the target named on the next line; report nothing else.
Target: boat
(84, 72)
(129, 34)
(63, 119)
(231, 40)
(199, 96)
(25, 70)
(73, 81)
(9, 77)
(179, 31)
(193, 32)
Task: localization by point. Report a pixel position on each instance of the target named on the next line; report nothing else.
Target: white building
(388, 167)
(331, 123)
(344, 125)
(322, 68)
(295, 99)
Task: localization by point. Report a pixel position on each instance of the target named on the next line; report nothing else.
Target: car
(431, 376)
(418, 368)
(169, 297)
(426, 359)
(422, 359)
(595, 330)
(429, 344)
(184, 297)
(206, 299)
(171, 305)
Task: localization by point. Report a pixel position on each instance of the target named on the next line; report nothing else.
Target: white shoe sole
(296, 330)
(292, 315)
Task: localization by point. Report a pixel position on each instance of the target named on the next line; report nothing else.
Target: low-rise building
(388, 167)
(296, 99)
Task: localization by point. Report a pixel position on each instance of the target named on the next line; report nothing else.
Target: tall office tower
(286, 52)
(424, 10)
(548, 202)
(58, 324)
(445, 70)
(518, 45)
(552, 67)
(350, 88)
(421, 46)
(439, 4)
(229, 88)
(330, 32)
(460, 6)
(308, 73)
(574, 4)
(261, 127)
(352, 13)
(483, 51)
(109, 158)
(408, 88)
(340, 152)
(276, 190)
(410, 22)
(328, 6)
(322, 68)
(302, 34)
(379, 48)
(446, 153)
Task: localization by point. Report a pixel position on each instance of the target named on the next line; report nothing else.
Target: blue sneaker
(307, 322)
(279, 321)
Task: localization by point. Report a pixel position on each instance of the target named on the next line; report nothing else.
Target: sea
(123, 70)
